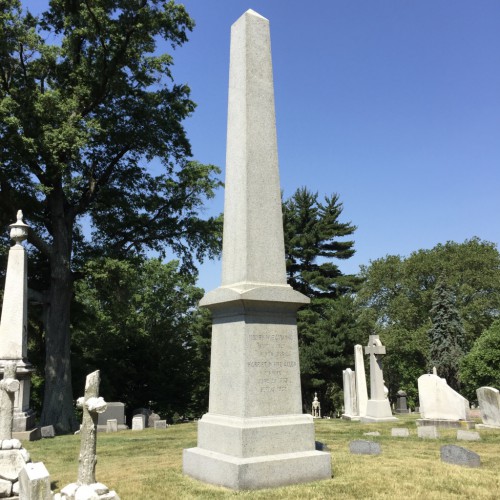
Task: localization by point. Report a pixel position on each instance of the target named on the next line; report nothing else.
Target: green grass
(148, 465)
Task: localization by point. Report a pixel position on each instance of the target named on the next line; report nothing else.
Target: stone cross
(8, 387)
(92, 405)
(375, 349)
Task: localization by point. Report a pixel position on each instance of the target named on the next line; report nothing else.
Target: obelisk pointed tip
(251, 13)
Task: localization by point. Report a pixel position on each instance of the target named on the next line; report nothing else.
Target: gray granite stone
(160, 424)
(457, 455)
(47, 431)
(363, 447)
(114, 410)
(254, 434)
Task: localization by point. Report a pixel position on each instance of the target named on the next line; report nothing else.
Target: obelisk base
(378, 410)
(255, 453)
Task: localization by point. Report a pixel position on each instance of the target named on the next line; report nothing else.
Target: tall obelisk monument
(254, 434)
(14, 329)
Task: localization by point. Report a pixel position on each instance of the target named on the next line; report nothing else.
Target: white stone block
(138, 423)
(438, 401)
(489, 404)
(34, 482)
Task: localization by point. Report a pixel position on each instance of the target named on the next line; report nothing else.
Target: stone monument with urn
(14, 330)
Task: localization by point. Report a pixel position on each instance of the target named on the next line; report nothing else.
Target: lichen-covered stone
(11, 463)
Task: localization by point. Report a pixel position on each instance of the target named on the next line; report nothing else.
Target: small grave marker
(457, 455)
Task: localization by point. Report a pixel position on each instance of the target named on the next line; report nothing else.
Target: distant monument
(14, 330)
(378, 408)
(489, 404)
(316, 407)
(254, 434)
(440, 405)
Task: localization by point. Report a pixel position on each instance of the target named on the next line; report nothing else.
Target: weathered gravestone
(114, 410)
(427, 432)
(489, 404)
(457, 455)
(154, 417)
(468, 435)
(360, 376)
(378, 408)
(34, 482)
(145, 413)
(351, 411)
(441, 405)
(14, 331)
(400, 432)
(86, 487)
(160, 424)
(254, 434)
(112, 425)
(401, 405)
(47, 431)
(13, 457)
(363, 447)
(139, 423)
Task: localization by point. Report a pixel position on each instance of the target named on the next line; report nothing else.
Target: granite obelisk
(254, 434)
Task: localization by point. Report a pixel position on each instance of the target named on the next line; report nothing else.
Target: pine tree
(313, 237)
(447, 334)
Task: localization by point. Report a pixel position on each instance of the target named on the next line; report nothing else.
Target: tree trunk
(58, 397)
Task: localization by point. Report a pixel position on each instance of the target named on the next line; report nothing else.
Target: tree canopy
(86, 105)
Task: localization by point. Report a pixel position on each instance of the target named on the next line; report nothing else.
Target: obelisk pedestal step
(256, 472)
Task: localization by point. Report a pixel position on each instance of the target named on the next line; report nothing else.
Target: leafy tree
(480, 367)
(397, 294)
(136, 322)
(446, 334)
(86, 103)
(314, 238)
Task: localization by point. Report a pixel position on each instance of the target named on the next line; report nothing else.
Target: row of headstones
(113, 419)
(450, 453)
(438, 401)
(429, 432)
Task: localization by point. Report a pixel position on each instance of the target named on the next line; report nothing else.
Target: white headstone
(139, 423)
(438, 401)
(489, 405)
(378, 408)
(254, 434)
(350, 398)
(359, 370)
(34, 482)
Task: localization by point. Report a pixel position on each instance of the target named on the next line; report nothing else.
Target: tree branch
(39, 243)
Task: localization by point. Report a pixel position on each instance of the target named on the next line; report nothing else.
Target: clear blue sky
(395, 105)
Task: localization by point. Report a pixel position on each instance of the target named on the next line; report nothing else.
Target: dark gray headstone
(114, 410)
(457, 455)
(401, 405)
(362, 447)
(321, 446)
(48, 431)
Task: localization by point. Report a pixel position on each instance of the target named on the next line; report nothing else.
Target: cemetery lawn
(148, 465)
